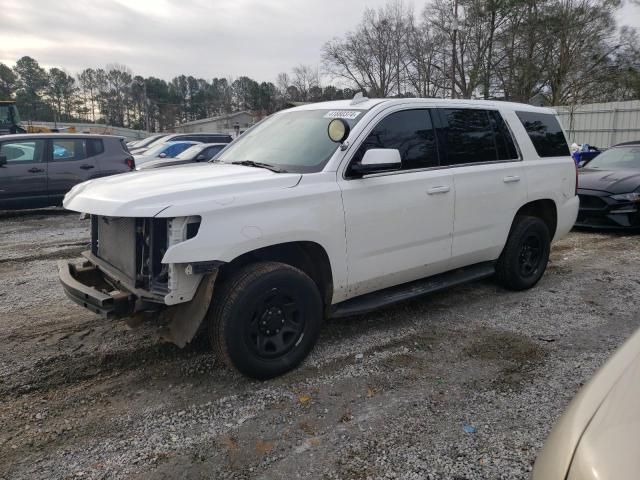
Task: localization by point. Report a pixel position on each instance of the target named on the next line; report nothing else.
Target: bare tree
(305, 78)
(372, 56)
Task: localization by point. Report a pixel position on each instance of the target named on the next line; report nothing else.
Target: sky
(165, 38)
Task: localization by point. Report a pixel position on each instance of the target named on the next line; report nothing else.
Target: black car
(609, 189)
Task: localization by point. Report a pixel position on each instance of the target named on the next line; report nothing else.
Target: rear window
(545, 133)
(466, 136)
(94, 147)
(69, 149)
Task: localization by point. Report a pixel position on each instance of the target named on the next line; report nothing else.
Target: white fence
(601, 124)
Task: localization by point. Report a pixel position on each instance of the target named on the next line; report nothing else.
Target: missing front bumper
(86, 286)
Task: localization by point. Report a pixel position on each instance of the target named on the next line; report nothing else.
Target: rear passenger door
(71, 161)
(488, 177)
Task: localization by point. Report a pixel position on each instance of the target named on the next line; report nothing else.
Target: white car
(162, 151)
(322, 210)
(201, 152)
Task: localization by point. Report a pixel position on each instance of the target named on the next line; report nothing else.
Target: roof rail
(358, 98)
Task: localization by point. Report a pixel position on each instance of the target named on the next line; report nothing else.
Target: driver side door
(23, 178)
(399, 224)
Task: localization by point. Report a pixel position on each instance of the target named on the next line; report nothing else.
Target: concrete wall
(217, 125)
(95, 128)
(601, 124)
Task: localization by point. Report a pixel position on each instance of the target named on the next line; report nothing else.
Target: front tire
(265, 318)
(526, 254)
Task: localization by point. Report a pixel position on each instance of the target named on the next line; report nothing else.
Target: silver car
(597, 437)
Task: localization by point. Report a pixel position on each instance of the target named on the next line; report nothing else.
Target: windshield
(148, 141)
(190, 152)
(618, 158)
(295, 141)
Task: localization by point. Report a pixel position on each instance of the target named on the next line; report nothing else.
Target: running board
(389, 296)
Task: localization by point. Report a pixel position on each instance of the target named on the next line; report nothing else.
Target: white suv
(327, 210)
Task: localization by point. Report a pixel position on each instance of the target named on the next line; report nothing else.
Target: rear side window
(466, 136)
(545, 133)
(69, 149)
(94, 147)
(410, 132)
(504, 141)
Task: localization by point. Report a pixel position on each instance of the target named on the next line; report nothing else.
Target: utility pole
(453, 54)
(146, 106)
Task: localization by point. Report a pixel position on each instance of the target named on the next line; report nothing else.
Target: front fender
(310, 212)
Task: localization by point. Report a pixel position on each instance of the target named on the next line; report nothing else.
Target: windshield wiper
(251, 163)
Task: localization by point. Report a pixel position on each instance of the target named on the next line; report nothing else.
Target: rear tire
(526, 254)
(265, 318)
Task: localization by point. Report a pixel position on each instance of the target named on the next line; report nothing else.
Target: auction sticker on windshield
(348, 114)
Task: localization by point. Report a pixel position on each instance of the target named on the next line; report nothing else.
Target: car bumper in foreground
(599, 210)
(86, 285)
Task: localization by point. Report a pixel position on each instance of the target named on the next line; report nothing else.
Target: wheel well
(545, 210)
(309, 257)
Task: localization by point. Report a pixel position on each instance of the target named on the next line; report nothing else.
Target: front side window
(69, 149)
(22, 151)
(545, 133)
(5, 115)
(294, 141)
(466, 136)
(410, 132)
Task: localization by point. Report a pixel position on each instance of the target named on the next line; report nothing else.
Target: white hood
(148, 192)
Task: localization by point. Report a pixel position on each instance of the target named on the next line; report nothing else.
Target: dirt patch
(518, 356)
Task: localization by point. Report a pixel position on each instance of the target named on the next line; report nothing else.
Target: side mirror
(378, 160)
(163, 155)
(3, 160)
(338, 130)
(582, 163)
(200, 158)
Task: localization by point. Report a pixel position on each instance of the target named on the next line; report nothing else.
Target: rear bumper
(86, 286)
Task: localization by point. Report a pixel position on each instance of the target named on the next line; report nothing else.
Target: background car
(609, 189)
(597, 437)
(164, 150)
(37, 170)
(144, 142)
(195, 137)
(202, 152)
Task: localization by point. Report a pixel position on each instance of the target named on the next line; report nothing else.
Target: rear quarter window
(545, 133)
(94, 147)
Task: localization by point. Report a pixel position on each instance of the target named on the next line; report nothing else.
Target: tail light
(131, 163)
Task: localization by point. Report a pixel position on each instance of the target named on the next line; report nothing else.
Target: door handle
(439, 189)
(511, 179)
(35, 170)
(86, 167)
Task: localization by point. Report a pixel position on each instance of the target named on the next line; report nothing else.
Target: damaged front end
(123, 275)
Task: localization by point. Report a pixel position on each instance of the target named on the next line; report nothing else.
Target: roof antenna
(358, 98)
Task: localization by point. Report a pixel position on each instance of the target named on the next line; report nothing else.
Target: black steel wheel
(526, 254)
(265, 319)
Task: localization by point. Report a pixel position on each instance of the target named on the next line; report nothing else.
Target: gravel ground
(383, 395)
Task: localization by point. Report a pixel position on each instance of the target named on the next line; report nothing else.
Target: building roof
(214, 119)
